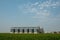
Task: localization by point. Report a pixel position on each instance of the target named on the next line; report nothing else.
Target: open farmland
(7, 36)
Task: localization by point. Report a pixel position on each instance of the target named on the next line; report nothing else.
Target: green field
(7, 36)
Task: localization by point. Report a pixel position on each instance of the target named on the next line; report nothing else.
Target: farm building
(26, 30)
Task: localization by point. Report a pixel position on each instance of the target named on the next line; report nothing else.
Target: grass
(7, 36)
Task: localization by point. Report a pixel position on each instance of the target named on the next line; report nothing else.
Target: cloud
(43, 12)
(35, 4)
(40, 8)
(47, 4)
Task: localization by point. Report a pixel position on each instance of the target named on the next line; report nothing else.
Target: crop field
(7, 36)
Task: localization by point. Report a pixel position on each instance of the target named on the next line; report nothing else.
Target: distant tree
(27, 30)
(32, 30)
(23, 30)
(14, 30)
(18, 30)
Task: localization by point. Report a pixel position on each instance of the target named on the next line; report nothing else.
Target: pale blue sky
(43, 13)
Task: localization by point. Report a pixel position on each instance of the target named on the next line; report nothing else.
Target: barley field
(8, 36)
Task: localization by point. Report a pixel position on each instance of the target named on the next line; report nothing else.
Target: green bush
(7, 36)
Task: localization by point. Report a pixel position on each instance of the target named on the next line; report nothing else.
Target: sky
(30, 13)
